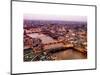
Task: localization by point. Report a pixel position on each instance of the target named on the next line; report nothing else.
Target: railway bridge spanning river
(50, 44)
(60, 49)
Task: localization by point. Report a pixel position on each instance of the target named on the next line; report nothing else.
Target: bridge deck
(55, 45)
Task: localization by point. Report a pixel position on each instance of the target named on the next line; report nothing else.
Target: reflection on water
(43, 37)
(62, 55)
(68, 54)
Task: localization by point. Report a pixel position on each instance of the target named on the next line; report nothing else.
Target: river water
(45, 39)
(62, 55)
(68, 54)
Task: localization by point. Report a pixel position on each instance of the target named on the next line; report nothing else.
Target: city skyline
(52, 22)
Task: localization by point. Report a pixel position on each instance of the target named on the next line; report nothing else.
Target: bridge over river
(51, 44)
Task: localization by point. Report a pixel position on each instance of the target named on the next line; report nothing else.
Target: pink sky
(55, 17)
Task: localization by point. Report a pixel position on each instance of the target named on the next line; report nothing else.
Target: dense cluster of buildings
(75, 35)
